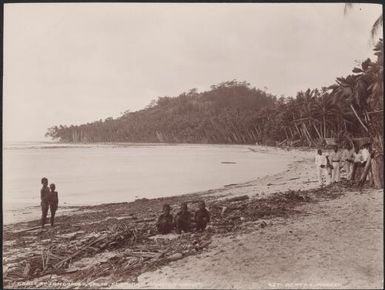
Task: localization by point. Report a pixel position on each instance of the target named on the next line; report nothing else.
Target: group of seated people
(183, 220)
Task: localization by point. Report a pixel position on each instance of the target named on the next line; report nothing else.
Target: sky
(74, 63)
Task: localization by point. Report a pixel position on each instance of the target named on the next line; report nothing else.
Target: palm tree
(365, 94)
(376, 25)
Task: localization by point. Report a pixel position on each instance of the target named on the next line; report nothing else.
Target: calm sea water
(93, 174)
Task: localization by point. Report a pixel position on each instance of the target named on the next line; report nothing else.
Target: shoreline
(144, 259)
(33, 212)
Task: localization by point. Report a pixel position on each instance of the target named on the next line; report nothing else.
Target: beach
(281, 232)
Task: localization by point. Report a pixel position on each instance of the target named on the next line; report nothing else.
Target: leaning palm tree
(376, 25)
(364, 92)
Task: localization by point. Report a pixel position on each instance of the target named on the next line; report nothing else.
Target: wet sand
(334, 240)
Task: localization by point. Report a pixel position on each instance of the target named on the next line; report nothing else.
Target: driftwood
(62, 262)
(145, 220)
(27, 230)
(237, 198)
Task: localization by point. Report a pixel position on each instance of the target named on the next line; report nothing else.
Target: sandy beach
(331, 244)
(286, 234)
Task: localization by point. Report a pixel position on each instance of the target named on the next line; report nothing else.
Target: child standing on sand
(53, 202)
(44, 196)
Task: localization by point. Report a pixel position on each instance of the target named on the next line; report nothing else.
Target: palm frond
(376, 26)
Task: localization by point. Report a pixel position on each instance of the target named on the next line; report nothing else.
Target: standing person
(165, 222)
(335, 158)
(347, 159)
(183, 219)
(357, 164)
(321, 163)
(44, 197)
(202, 217)
(329, 168)
(365, 154)
(53, 202)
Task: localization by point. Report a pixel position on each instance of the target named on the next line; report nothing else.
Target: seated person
(202, 217)
(165, 222)
(183, 219)
(53, 202)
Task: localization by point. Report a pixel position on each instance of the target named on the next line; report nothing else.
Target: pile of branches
(135, 250)
(134, 253)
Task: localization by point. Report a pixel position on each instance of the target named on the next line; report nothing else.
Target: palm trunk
(359, 119)
(324, 121)
(318, 133)
(287, 137)
(378, 170)
(306, 136)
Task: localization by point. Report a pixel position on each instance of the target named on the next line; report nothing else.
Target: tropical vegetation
(233, 112)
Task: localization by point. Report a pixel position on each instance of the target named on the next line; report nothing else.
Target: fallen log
(237, 198)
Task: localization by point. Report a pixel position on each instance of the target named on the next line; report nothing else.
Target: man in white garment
(365, 154)
(357, 164)
(335, 159)
(347, 160)
(320, 163)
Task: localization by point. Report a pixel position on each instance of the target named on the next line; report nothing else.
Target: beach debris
(228, 162)
(231, 184)
(145, 220)
(123, 248)
(238, 198)
(27, 230)
(175, 257)
(263, 224)
(27, 270)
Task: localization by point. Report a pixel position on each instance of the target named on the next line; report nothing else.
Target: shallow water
(92, 174)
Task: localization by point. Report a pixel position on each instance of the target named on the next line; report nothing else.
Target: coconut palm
(376, 25)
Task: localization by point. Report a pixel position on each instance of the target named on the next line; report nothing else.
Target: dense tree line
(233, 112)
(227, 113)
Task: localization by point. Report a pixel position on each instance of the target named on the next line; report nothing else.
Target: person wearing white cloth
(357, 164)
(347, 159)
(320, 162)
(335, 158)
(365, 154)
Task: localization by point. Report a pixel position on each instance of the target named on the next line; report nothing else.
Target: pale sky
(76, 63)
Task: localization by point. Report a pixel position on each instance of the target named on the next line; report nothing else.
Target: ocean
(88, 174)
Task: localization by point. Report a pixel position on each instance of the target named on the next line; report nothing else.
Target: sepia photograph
(193, 145)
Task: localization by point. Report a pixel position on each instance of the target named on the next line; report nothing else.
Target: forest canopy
(234, 112)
